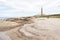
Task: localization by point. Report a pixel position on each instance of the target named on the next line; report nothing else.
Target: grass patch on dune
(49, 16)
(54, 16)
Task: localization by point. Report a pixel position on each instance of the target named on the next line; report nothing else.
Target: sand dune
(7, 25)
(41, 29)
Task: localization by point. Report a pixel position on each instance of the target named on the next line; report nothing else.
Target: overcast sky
(19, 8)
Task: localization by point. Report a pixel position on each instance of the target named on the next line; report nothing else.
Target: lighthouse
(41, 11)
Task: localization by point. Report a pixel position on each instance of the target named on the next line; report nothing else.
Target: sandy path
(43, 26)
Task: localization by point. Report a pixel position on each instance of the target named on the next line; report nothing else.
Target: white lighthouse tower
(41, 11)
